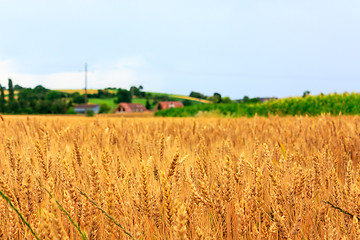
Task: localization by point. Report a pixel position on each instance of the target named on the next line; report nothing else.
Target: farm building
(130, 107)
(169, 104)
(81, 108)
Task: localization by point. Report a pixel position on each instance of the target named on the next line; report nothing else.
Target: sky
(256, 48)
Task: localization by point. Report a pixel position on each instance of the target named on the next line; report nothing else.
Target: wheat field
(193, 178)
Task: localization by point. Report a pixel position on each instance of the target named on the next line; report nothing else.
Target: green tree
(155, 102)
(18, 87)
(135, 91)
(148, 105)
(43, 107)
(11, 91)
(2, 99)
(41, 90)
(27, 99)
(217, 98)
(70, 104)
(197, 95)
(246, 99)
(142, 94)
(77, 98)
(226, 100)
(102, 94)
(53, 95)
(306, 93)
(58, 106)
(13, 105)
(123, 95)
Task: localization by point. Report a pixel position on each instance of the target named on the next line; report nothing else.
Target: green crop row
(347, 104)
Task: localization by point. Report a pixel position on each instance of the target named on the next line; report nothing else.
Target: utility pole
(86, 109)
(132, 94)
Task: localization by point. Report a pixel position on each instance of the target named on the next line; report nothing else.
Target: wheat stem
(19, 214)
(106, 214)
(83, 235)
(340, 209)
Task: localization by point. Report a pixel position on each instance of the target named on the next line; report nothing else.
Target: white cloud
(122, 73)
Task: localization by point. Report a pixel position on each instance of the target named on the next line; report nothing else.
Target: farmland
(180, 178)
(110, 102)
(311, 105)
(152, 97)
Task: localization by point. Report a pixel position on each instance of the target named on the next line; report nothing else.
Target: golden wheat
(194, 178)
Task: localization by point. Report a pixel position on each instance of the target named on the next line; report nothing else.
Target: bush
(226, 100)
(90, 113)
(71, 110)
(104, 108)
(187, 102)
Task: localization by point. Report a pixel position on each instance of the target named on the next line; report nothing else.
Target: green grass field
(143, 101)
(108, 101)
(112, 105)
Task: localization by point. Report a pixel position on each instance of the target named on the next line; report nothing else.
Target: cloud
(121, 73)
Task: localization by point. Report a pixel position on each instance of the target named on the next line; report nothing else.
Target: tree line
(40, 100)
(28, 101)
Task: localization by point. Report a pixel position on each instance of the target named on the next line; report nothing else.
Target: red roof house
(130, 107)
(169, 104)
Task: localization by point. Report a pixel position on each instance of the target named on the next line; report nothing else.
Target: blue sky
(256, 48)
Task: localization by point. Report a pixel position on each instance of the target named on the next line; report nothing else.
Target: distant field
(175, 97)
(108, 101)
(81, 91)
(191, 98)
(159, 94)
